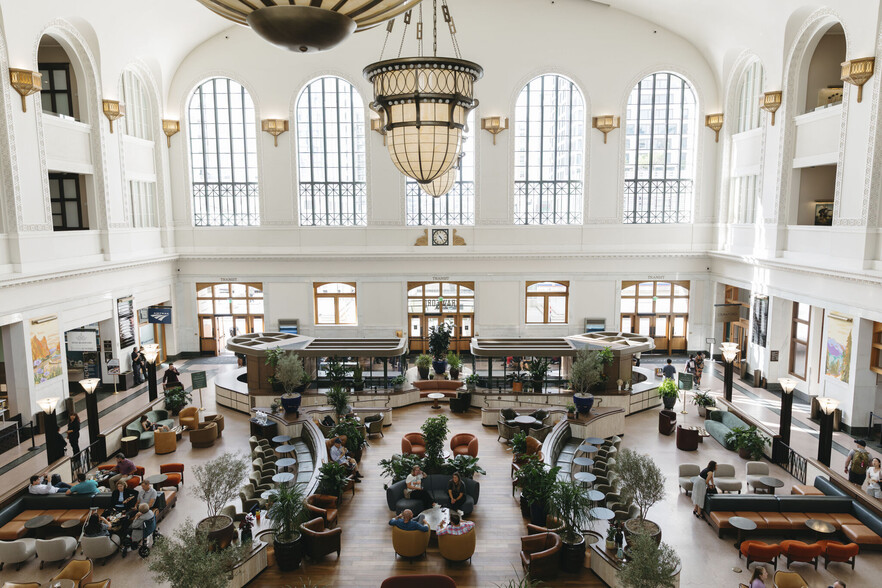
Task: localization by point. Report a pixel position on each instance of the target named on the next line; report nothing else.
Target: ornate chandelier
(423, 103)
(444, 183)
(307, 26)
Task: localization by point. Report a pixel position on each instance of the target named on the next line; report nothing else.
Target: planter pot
(358, 386)
(440, 366)
(583, 401)
(288, 554)
(610, 545)
(525, 507)
(424, 372)
(744, 454)
(571, 416)
(471, 387)
(517, 387)
(220, 529)
(292, 403)
(572, 555)
(538, 514)
(669, 402)
(454, 374)
(398, 387)
(246, 536)
(632, 528)
(537, 386)
(702, 411)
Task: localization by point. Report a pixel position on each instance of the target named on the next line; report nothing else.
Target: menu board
(125, 313)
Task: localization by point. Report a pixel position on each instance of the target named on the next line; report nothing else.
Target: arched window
(547, 302)
(457, 207)
(659, 150)
(549, 152)
(138, 121)
(331, 154)
(750, 93)
(223, 155)
(335, 303)
(744, 188)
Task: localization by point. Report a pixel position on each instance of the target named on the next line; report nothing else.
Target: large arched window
(549, 152)
(750, 92)
(659, 150)
(457, 207)
(745, 187)
(223, 155)
(331, 154)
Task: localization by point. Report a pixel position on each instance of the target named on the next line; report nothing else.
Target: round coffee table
(285, 462)
(596, 495)
(772, 482)
(526, 420)
(283, 477)
(283, 449)
(822, 527)
(71, 523)
(586, 448)
(433, 517)
(602, 514)
(435, 396)
(593, 440)
(156, 479)
(281, 439)
(585, 477)
(38, 524)
(742, 524)
(583, 461)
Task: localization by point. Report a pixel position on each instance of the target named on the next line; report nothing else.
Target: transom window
(331, 154)
(223, 155)
(457, 207)
(749, 95)
(547, 302)
(138, 122)
(335, 303)
(799, 339)
(549, 152)
(659, 150)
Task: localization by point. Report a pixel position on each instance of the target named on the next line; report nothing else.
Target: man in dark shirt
(406, 522)
(170, 378)
(124, 469)
(669, 370)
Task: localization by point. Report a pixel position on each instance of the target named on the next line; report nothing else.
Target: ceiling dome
(307, 26)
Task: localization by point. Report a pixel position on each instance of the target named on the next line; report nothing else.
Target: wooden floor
(368, 558)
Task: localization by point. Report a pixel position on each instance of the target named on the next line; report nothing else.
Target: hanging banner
(159, 315)
(125, 314)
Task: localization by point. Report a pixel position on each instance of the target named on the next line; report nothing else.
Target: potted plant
(471, 382)
(439, 343)
(669, 393)
(568, 502)
(276, 405)
(466, 465)
(177, 398)
(272, 360)
(335, 368)
(454, 361)
(747, 441)
(398, 383)
(519, 582)
(538, 372)
(536, 482)
(423, 363)
(285, 514)
(354, 437)
(290, 374)
(435, 431)
(703, 400)
(519, 446)
(357, 377)
(517, 379)
(217, 483)
(611, 536)
(189, 558)
(338, 397)
(398, 467)
(642, 483)
(649, 565)
(571, 411)
(333, 478)
(585, 375)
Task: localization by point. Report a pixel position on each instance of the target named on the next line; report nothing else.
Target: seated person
(406, 522)
(146, 425)
(122, 499)
(39, 485)
(83, 486)
(338, 454)
(140, 522)
(96, 526)
(328, 421)
(146, 494)
(456, 491)
(457, 526)
(413, 487)
(123, 470)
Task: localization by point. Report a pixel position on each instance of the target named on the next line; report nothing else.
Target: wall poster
(125, 313)
(838, 362)
(760, 320)
(45, 349)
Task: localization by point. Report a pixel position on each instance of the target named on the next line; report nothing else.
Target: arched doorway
(227, 309)
(430, 303)
(657, 309)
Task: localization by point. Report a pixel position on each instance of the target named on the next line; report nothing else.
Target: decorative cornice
(447, 255)
(77, 273)
(809, 270)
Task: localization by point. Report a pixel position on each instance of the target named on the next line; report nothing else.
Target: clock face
(440, 236)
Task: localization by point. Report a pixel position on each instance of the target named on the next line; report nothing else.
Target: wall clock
(440, 237)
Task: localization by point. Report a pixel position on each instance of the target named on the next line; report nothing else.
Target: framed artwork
(142, 316)
(823, 214)
(45, 349)
(838, 362)
(760, 320)
(125, 314)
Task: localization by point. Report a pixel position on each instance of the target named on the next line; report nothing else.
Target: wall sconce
(605, 124)
(25, 82)
(714, 122)
(89, 384)
(857, 72)
(378, 127)
(494, 125)
(113, 110)
(48, 404)
(787, 384)
(275, 127)
(170, 127)
(771, 102)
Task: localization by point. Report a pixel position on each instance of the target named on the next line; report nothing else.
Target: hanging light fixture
(424, 101)
(317, 25)
(445, 182)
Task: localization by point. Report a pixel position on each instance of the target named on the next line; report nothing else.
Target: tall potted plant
(455, 363)
(435, 431)
(333, 478)
(354, 437)
(286, 513)
(643, 484)
(176, 399)
(439, 343)
(217, 483)
(585, 375)
(538, 372)
(290, 373)
(336, 370)
(358, 377)
(338, 397)
(669, 393)
(272, 360)
(569, 503)
(423, 363)
(649, 565)
(536, 482)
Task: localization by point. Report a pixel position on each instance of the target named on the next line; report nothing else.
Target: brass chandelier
(423, 103)
(307, 26)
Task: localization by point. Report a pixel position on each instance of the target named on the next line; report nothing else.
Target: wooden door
(207, 336)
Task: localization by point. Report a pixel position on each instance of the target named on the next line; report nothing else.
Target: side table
(129, 446)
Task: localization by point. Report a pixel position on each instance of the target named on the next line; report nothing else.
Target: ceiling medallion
(424, 102)
(310, 25)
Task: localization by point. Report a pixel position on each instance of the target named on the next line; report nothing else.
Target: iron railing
(82, 462)
(795, 464)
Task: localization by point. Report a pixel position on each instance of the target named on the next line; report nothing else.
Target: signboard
(727, 313)
(593, 325)
(198, 380)
(113, 367)
(159, 315)
(684, 381)
(90, 364)
(82, 340)
(125, 314)
(773, 355)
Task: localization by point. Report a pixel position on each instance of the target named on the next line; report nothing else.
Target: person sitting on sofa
(83, 486)
(146, 425)
(456, 491)
(124, 469)
(413, 487)
(39, 485)
(146, 494)
(406, 522)
(457, 526)
(122, 499)
(338, 454)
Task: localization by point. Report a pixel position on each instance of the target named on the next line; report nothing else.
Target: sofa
(62, 507)
(720, 423)
(436, 485)
(447, 387)
(461, 403)
(157, 417)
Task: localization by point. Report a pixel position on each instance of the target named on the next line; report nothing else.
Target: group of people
(139, 365)
(861, 467)
(761, 575)
(413, 488)
(407, 522)
(694, 366)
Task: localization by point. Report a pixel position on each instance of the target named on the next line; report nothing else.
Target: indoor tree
(435, 431)
(649, 564)
(641, 483)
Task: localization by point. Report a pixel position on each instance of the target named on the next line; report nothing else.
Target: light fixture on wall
(494, 125)
(307, 29)
(113, 110)
(275, 127)
(605, 124)
(771, 102)
(857, 72)
(424, 102)
(715, 123)
(170, 127)
(377, 127)
(25, 82)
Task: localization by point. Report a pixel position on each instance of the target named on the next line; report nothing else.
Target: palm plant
(569, 503)
(287, 512)
(338, 397)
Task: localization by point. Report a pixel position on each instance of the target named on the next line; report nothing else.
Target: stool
(129, 446)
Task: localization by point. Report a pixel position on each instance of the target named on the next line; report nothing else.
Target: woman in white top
(874, 479)
(413, 487)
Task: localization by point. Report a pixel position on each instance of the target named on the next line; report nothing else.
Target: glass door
(657, 309)
(429, 303)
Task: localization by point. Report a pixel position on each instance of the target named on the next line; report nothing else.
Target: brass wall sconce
(857, 72)
(113, 110)
(715, 122)
(25, 82)
(771, 102)
(377, 127)
(170, 127)
(605, 124)
(494, 125)
(275, 127)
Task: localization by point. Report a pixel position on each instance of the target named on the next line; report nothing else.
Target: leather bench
(805, 490)
(61, 507)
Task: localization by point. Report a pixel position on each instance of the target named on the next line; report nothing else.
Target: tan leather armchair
(458, 547)
(464, 444)
(413, 443)
(330, 443)
(324, 506)
(77, 570)
(164, 442)
(410, 544)
(189, 417)
(540, 554)
(219, 420)
(552, 525)
(320, 541)
(204, 436)
(534, 447)
(98, 584)
(250, 498)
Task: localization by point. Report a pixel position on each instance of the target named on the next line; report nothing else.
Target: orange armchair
(413, 443)
(175, 473)
(324, 506)
(761, 552)
(77, 570)
(464, 444)
(801, 552)
(540, 554)
(133, 482)
(834, 551)
(189, 417)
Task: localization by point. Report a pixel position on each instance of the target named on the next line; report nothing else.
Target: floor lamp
(825, 441)
(150, 353)
(54, 440)
(730, 352)
(98, 452)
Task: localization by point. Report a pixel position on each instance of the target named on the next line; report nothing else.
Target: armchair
(754, 471)
(686, 473)
(164, 442)
(834, 551)
(189, 417)
(319, 540)
(175, 473)
(413, 443)
(260, 482)
(204, 436)
(324, 506)
(374, 425)
(789, 580)
(534, 447)
(250, 499)
(552, 525)
(57, 549)
(265, 469)
(506, 431)
(801, 552)
(687, 439)
(541, 433)
(218, 419)
(102, 548)
(410, 544)
(458, 547)
(761, 552)
(424, 580)
(461, 403)
(540, 554)
(77, 570)
(464, 444)
(16, 552)
(230, 511)
(667, 421)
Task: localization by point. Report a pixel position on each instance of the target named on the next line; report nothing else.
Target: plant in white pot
(641, 483)
(703, 400)
(217, 483)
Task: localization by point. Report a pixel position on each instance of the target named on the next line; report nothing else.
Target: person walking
(73, 432)
(874, 479)
(857, 462)
(699, 368)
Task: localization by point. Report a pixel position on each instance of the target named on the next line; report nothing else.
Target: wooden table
(129, 446)
(435, 396)
(742, 524)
